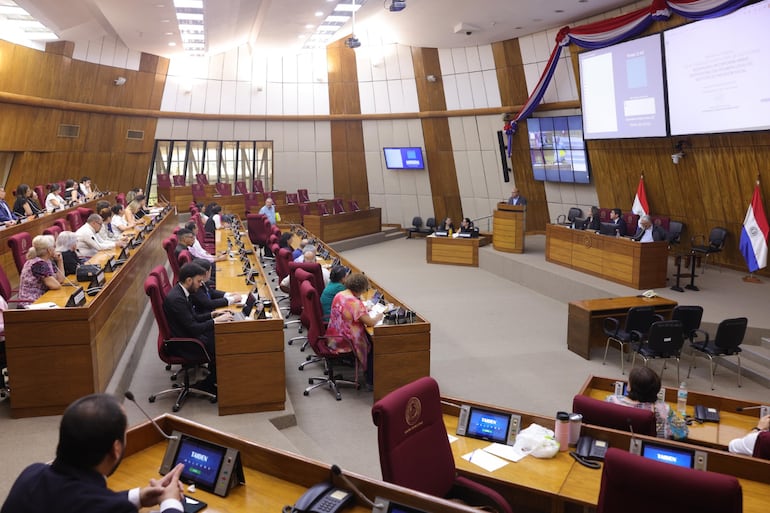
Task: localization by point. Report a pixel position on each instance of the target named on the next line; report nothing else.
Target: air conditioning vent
(137, 135)
(72, 131)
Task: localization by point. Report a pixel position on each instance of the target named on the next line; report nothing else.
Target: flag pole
(751, 278)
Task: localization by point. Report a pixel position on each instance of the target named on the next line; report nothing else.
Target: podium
(510, 222)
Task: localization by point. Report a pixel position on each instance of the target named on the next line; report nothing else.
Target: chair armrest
(637, 335)
(611, 326)
(188, 347)
(561, 219)
(659, 317)
(701, 239)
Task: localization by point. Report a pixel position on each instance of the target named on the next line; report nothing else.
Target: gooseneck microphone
(130, 396)
(337, 471)
(744, 408)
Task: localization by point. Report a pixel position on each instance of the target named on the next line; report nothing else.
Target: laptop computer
(245, 312)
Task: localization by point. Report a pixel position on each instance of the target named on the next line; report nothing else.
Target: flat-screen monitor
(557, 149)
(608, 229)
(404, 158)
(622, 90)
(671, 455)
(488, 425)
(718, 73)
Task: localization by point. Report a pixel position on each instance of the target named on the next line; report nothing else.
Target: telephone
(321, 498)
(591, 449)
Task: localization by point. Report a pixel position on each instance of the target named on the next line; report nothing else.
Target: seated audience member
(207, 299)
(745, 445)
(348, 321)
(134, 211)
(25, 205)
(336, 277)
(594, 221)
(7, 215)
(308, 256)
(616, 217)
(447, 226)
(186, 240)
(54, 200)
(296, 255)
(66, 246)
(71, 193)
(107, 232)
(285, 241)
(196, 250)
(643, 388)
(466, 226)
(90, 241)
(118, 218)
(214, 222)
(647, 232)
(86, 190)
(184, 321)
(44, 270)
(92, 439)
(130, 195)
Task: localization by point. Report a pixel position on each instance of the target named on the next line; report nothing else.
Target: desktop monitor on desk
(441, 233)
(608, 229)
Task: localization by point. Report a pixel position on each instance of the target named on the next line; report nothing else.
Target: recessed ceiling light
(164, 21)
(172, 43)
(160, 5)
(169, 33)
(319, 13)
(537, 20)
(309, 26)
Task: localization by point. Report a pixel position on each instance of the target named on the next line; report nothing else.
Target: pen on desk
(470, 458)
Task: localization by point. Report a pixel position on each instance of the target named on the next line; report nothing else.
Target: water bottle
(681, 399)
(561, 430)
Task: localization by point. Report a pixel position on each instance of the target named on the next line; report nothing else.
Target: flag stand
(751, 279)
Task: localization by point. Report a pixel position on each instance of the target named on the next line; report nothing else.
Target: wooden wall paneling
(509, 68)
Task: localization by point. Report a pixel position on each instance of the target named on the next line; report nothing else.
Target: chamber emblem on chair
(413, 411)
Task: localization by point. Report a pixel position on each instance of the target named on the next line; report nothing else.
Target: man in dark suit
(617, 218)
(206, 298)
(7, 215)
(647, 232)
(184, 321)
(92, 438)
(516, 198)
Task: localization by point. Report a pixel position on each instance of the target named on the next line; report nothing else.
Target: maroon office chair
(159, 271)
(61, 223)
(274, 230)
(632, 222)
(40, 193)
(240, 187)
(224, 189)
(337, 206)
(295, 302)
(20, 244)
(7, 291)
(282, 260)
(318, 341)
(184, 257)
(323, 210)
(257, 186)
(303, 196)
(252, 202)
(120, 199)
(414, 447)
(201, 179)
(85, 213)
(164, 180)
(615, 416)
(198, 192)
(190, 353)
(179, 180)
(762, 446)
(299, 275)
(169, 244)
(207, 240)
(75, 220)
(258, 232)
(353, 204)
(304, 210)
(676, 489)
(54, 230)
(291, 198)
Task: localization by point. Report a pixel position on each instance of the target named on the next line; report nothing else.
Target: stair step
(759, 354)
(765, 342)
(727, 368)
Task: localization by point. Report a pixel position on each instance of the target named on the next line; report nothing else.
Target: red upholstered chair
(676, 489)
(323, 210)
(6, 290)
(190, 353)
(224, 189)
(184, 258)
(353, 205)
(84, 213)
(414, 447)
(274, 230)
(54, 230)
(240, 187)
(198, 192)
(159, 271)
(614, 416)
(201, 179)
(632, 222)
(315, 334)
(164, 180)
(282, 260)
(207, 240)
(258, 234)
(257, 186)
(303, 196)
(169, 244)
(41, 194)
(338, 206)
(304, 209)
(20, 244)
(297, 276)
(75, 220)
(120, 199)
(178, 180)
(61, 223)
(314, 268)
(762, 446)
(604, 215)
(662, 221)
(291, 198)
(252, 202)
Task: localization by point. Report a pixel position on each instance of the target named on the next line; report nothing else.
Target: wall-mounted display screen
(622, 90)
(718, 73)
(404, 158)
(557, 149)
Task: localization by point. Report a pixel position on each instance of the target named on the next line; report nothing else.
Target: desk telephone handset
(321, 498)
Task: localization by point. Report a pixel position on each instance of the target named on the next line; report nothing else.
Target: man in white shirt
(746, 444)
(89, 240)
(268, 210)
(197, 251)
(309, 256)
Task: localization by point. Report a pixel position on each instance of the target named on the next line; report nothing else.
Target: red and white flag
(640, 206)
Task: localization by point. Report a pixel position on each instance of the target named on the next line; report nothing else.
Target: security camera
(352, 42)
(120, 81)
(396, 5)
(468, 32)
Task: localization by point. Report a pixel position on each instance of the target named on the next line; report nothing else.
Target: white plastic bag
(537, 441)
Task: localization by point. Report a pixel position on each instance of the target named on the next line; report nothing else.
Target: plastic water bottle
(681, 398)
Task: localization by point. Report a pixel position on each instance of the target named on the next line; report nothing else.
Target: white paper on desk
(42, 306)
(488, 462)
(505, 451)
(452, 439)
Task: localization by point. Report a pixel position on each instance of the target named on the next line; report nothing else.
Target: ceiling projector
(352, 42)
(396, 5)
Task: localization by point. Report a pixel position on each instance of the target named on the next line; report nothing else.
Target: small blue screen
(201, 461)
(488, 425)
(668, 455)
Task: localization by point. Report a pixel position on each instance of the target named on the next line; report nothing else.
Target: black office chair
(430, 224)
(637, 325)
(674, 234)
(572, 214)
(417, 228)
(690, 316)
(716, 242)
(727, 342)
(664, 341)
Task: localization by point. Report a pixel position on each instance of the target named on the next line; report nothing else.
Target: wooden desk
(401, 351)
(560, 484)
(251, 374)
(586, 317)
(234, 204)
(348, 225)
(454, 251)
(58, 355)
(509, 225)
(732, 424)
(35, 227)
(618, 259)
(273, 478)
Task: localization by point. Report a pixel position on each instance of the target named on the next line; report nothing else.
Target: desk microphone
(70, 282)
(636, 444)
(130, 396)
(337, 471)
(744, 408)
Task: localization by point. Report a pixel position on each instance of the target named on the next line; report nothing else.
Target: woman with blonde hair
(133, 208)
(43, 271)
